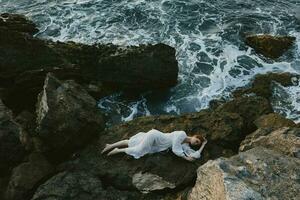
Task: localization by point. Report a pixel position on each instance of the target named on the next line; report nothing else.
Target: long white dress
(155, 141)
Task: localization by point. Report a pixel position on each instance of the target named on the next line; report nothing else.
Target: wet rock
(284, 140)
(273, 120)
(261, 85)
(18, 23)
(258, 173)
(270, 46)
(11, 149)
(25, 61)
(27, 176)
(79, 186)
(67, 118)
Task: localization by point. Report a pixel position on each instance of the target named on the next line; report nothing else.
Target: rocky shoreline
(51, 132)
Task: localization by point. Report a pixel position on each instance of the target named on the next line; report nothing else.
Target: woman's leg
(116, 150)
(114, 145)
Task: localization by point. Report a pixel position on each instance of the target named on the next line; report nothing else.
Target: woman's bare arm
(202, 146)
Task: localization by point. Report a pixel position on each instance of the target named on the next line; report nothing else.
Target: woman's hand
(205, 141)
(189, 158)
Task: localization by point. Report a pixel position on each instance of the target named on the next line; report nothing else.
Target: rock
(152, 173)
(27, 176)
(270, 46)
(284, 140)
(147, 182)
(79, 186)
(3, 186)
(18, 23)
(27, 120)
(11, 150)
(273, 120)
(261, 85)
(67, 118)
(223, 127)
(249, 108)
(25, 61)
(124, 69)
(140, 68)
(258, 173)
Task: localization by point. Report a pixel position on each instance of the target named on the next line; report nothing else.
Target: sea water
(208, 36)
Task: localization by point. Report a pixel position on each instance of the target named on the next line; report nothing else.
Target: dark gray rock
(11, 150)
(80, 186)
(27, 176)
(67, 118)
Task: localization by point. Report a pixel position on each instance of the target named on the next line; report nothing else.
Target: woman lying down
(156, 141)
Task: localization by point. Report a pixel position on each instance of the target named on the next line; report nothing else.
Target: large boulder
(80, 186)
(12, 151)
(270, 46)
(103, 69)
(257, 174)
(27, 176)
(67, 118)
(285, 140)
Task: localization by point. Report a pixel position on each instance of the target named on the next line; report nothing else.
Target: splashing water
(286, 101)
(207, 35)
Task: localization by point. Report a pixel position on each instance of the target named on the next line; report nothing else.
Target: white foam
(204, 34)
(286, 101)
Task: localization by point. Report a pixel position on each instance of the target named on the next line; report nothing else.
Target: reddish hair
(200, 137)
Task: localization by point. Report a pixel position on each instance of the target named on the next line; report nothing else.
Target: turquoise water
(207, 35)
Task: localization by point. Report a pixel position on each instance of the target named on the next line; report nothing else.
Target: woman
(155, 141)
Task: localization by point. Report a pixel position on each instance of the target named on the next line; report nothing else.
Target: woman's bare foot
(107, 147)
(114, 151)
